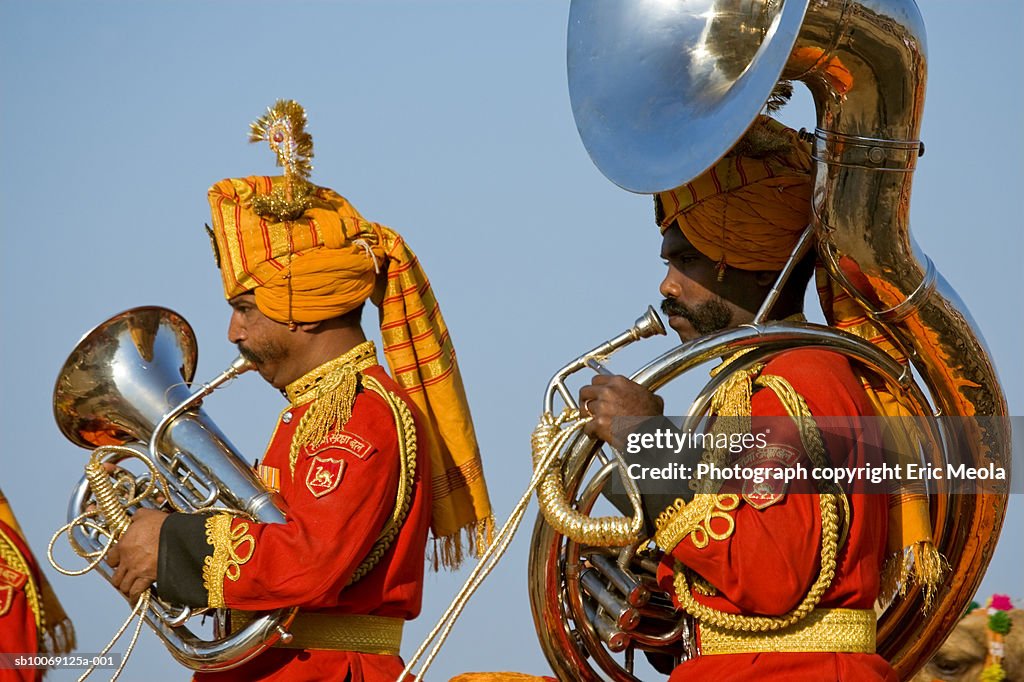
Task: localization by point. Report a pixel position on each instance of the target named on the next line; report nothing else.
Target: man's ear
(309, 327)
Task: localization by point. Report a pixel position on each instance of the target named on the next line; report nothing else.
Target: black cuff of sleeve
(183, 547)
(653, 500)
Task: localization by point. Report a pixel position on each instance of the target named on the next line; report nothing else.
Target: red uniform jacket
(339, 499)
(18, 633)
(769, 562)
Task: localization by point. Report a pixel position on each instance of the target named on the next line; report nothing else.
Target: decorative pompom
(999, 622)
(992, 673)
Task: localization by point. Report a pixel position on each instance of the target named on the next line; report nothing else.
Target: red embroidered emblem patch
(6, 599)
(773, 461)
(9, 576)
(349, 442)
(324, 475)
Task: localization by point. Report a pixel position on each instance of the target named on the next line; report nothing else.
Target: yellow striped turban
(324, 264)
(307, 270)
(746, 211)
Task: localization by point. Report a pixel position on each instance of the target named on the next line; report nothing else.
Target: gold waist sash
(337, 632)
(825, 630)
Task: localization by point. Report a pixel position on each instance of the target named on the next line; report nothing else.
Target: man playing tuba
(365, 461)
(781, 581)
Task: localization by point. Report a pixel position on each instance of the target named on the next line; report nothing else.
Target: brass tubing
(635, 593)
(624, 616)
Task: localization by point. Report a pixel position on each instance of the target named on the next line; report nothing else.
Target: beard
(705, 318)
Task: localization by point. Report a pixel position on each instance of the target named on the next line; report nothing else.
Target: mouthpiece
(649, 324)
(242, 364)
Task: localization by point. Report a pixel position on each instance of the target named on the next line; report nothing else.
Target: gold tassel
(329, 412)
(922, 564)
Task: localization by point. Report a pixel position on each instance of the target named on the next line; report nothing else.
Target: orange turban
(316, 267)
(750, 208)
(323, 264)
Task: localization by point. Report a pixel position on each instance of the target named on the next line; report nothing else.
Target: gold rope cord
(815, 448)
(138, 610)
(604, 531)
(405, 429)
(571, 421)
(109, 508)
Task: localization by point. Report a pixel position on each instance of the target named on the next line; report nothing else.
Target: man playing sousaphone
(781, 584)
(366, 462)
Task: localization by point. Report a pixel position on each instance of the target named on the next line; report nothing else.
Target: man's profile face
(693, 295)
(261, 340)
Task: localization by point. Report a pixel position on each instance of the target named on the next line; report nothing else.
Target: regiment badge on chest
(772, 461)
(324, 475)
(10, 582)
(6, 598)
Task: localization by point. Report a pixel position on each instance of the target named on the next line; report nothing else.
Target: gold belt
(337, 632)
(824, 630)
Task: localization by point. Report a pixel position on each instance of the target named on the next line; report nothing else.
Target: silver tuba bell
(660, 91)
(124, 393)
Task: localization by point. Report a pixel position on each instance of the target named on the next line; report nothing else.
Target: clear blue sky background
(449, 121)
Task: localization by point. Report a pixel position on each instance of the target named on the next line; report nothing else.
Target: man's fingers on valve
(608, 398)
(617, 396)
(113, 557)
(120, 577)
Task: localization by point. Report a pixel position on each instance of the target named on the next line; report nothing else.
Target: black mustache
(249, 355)
(670, 307)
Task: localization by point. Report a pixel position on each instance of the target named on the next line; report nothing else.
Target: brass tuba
(660, 91)
(124, 393)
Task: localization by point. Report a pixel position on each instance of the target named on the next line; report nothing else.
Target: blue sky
(449, 121)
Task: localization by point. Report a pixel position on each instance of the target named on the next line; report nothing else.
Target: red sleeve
(770, 559)
(338, 505)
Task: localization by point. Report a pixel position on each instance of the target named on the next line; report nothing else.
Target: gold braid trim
(694, 519)
(405, 429)
(731, 400)
(226, 560)
(825, 630)
(331, 388)
(336, 632)
(810, 436)
(729, 621)
(13, 558)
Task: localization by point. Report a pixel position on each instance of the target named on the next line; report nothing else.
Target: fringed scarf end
(59, 638)
(922, 564)
(473, 539)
